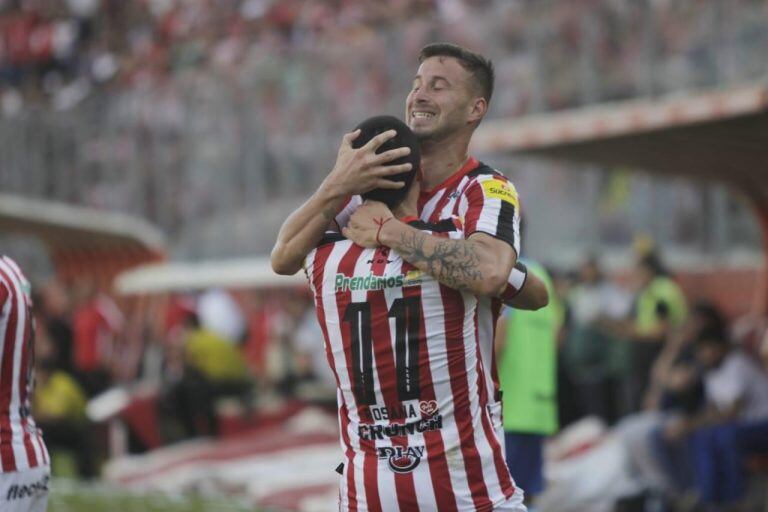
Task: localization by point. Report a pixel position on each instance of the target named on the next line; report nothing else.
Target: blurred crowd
(195, 112)
(684, 387)
(50, 46)
(187, 359)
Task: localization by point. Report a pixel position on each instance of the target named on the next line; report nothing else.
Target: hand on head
(360, 170)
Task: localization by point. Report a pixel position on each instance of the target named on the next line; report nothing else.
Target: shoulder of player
(483, 173)
(7, 288)
(484, 177)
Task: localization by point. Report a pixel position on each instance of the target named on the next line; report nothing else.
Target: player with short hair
(24, 461)
(408, 302)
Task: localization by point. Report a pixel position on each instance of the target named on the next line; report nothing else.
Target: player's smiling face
(441, 98)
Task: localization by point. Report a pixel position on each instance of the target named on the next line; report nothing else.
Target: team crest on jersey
(497, 189)
(402, 459)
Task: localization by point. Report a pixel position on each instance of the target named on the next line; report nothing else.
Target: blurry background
(186, 131)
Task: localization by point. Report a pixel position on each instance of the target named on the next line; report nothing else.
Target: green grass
(72, 496)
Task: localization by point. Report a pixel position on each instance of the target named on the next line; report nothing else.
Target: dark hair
(480, 67)
(713, 320)
(652, 262)
(711, 337)
(404, 138)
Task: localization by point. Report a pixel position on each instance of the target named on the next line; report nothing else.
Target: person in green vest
(660, 307)
(526, 348)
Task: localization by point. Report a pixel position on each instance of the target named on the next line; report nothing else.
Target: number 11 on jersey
(407, 314)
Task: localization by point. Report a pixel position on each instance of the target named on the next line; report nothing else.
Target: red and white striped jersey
(413, 360)
(21, 443)
(476, 198)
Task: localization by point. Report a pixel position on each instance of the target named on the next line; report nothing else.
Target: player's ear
(477, 110)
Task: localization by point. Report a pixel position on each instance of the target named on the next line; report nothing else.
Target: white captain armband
(515, 281)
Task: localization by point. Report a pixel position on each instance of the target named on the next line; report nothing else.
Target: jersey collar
(470, 165)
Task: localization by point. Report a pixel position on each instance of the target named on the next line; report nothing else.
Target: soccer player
(409, 308)
(24, 463)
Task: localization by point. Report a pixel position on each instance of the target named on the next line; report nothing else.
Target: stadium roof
(720, 136)
(82, 239)
(181, 277)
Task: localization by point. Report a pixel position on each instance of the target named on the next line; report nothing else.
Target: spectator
(677, 391)
(59, 404)
(213, 368)
(594, 359)
(97, 323)
(54, 315)
(734, 424)
(660, 307)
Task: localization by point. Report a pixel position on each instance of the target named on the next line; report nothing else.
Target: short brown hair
(480, 67)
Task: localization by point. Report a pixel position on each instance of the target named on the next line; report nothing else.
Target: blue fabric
(674, 458)
(718, 458)
(525, 460)
(711, 459)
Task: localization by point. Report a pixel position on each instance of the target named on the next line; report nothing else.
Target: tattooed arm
(480, 264)
(356, 171)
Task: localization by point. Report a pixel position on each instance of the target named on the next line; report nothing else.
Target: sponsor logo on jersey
(497, 189)
(400, 411)
(402, 459)
(428, 407)
(371, 282)
(404, 411)
(373, 432)
(413, 277)
(21, 491)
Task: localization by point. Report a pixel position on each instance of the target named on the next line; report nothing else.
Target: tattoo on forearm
(452, 262)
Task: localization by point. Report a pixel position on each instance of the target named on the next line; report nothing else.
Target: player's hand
(360, 170)
(364, 225)
(409, 207)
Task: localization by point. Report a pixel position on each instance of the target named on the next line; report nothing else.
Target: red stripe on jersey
(476, 202)
(481, 387)
(24, 376)
(495, 311)
(7, 458)
(350, 453)
(23, 390)
(387, 373)
(438, 464)
(502, 471)
(318, 273)
(453, 306)
(370, 463)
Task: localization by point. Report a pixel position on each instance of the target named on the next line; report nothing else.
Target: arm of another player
(356, 171)
(480, 264)
(524, 290)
